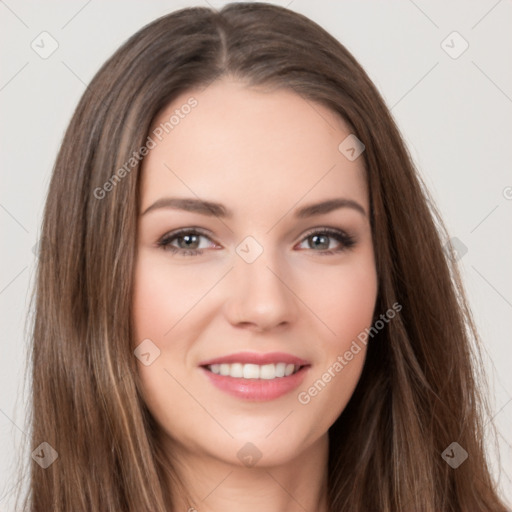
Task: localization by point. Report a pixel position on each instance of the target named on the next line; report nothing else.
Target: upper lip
(257, 358)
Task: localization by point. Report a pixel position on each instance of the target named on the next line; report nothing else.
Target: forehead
(238, 144)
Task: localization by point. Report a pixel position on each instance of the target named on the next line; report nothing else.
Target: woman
(193, 350)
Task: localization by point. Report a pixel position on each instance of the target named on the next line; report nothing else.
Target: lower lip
(257, 389)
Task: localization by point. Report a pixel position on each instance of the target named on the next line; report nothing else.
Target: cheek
(343, 297)
(160, 299)
(352, 305)
(163, 294)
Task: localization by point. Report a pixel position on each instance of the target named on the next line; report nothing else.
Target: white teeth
(251, 371)
(280, 369)
(254, 371)
(267, 371)
(237, 370)
(289, 369)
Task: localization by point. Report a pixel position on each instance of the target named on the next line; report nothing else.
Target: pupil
(190, 238)
(320, 237)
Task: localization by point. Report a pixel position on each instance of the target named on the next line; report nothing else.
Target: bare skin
(263, 155)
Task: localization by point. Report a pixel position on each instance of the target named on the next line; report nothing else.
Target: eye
(320, 239)
(187, 242)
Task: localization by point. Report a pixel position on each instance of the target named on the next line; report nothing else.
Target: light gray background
(455, 114)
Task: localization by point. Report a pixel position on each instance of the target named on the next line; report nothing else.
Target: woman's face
(256, 287)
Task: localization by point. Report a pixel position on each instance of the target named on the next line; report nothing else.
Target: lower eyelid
(168, 241)
(345, 241)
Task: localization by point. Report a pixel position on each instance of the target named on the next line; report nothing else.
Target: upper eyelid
(187, 231)
(172, 235)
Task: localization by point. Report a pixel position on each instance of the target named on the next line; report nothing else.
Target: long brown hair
(418, 391)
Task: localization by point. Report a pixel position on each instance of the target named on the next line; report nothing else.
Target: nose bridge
(258, 293)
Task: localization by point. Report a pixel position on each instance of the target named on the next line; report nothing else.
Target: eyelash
(346, 240)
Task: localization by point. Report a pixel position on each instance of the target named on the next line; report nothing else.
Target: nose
(260, 295)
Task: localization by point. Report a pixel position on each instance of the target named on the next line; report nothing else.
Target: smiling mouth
(254, 371)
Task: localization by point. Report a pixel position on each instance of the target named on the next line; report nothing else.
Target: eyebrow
(211, 208)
